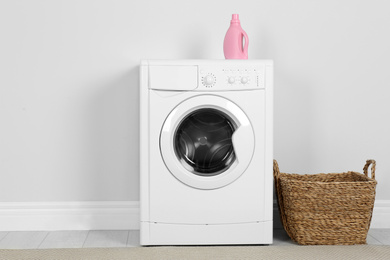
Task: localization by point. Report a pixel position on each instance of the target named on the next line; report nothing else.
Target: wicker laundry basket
(326, 209)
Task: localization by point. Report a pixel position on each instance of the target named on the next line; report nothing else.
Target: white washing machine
(206, 151)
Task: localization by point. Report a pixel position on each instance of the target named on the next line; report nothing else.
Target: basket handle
(373, 165)
(276, 169)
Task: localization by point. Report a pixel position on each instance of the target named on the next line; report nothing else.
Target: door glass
(203, 142)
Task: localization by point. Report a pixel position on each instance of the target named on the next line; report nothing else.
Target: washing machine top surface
(206, 75)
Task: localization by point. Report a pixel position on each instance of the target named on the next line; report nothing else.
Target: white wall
(69, 86)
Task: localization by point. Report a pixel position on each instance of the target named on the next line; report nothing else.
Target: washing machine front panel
(192, 210)
(207, 142)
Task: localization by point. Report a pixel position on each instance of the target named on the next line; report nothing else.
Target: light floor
(123, 238)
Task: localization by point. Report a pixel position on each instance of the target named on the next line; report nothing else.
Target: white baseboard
(107, 215)
(380, 215)
(90, 215)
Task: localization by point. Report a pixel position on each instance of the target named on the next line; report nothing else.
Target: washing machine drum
(207, 146)
(203, 142)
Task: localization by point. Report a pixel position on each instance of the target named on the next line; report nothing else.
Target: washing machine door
(207, 142)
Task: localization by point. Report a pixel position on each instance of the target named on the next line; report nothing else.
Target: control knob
(231, 80)
(244, 80)
(209, 80)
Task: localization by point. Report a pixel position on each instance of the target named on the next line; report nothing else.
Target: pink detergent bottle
(233, 45)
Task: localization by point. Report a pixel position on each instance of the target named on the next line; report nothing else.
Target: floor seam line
(85, 239)
(43, 239)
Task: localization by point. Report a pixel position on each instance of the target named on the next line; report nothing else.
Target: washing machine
(206, 151)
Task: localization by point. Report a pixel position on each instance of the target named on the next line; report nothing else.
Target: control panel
(218, 78)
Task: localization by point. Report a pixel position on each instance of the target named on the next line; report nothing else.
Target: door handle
(244, 143)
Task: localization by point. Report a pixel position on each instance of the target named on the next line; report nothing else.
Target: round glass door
(203, 142)
(207, 142)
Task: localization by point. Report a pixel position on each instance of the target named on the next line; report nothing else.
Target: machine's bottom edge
(154, 233)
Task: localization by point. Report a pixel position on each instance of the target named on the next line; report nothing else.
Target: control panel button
(244, 80)
(209, 80)
(231, 80)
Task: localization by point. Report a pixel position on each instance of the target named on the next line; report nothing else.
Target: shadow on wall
(113, 142)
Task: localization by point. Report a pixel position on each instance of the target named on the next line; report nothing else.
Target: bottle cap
(235, 19)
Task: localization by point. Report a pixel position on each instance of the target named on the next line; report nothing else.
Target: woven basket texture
(326, 209)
